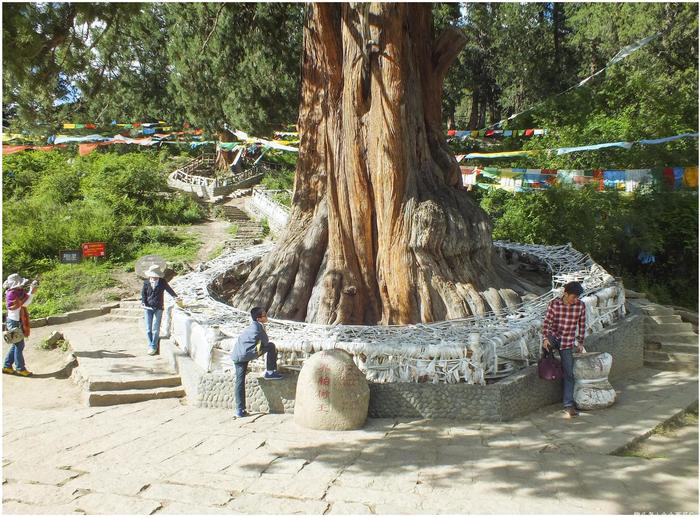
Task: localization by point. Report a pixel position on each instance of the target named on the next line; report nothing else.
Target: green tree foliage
(207, 63)
(613, 228)
(55, 201)
(47, 51)
(235, 63)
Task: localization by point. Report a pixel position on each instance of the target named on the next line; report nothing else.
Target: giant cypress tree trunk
(380, 230)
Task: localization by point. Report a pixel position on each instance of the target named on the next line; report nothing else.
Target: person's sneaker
(152, 352)
(570, 412)
(273, 376)
(7, 370)
(241, 413)
(24, 373)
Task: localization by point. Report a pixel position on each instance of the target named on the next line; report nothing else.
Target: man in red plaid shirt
(564, 315)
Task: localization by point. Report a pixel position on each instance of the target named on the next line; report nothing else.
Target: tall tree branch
(216, 21)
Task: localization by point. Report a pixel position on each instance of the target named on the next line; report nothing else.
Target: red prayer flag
(85, 149)
(529, 132)
(10, 149)
(669, 178)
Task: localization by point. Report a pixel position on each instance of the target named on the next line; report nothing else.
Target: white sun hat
(14, 281)
(154, 271)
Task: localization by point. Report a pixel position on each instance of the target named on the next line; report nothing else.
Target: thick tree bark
(474, 113)
(224, 158)
(381, 230)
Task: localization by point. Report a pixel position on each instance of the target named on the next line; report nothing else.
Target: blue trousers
(242, 368)
(16, 353)
(152, 318)
(567, 365)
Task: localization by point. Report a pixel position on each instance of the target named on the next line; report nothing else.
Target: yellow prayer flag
(68, 126)
(690, 177)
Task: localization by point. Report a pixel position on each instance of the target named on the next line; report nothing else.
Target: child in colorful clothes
(564, 316)
(16, 299)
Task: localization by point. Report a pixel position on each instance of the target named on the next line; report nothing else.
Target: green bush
(279, 179)
(614, 229)
(55, 201)
(65, 286)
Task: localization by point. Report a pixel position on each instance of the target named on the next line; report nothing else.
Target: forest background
(236, 65)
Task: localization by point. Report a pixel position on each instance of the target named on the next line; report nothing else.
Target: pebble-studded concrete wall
(514, 396)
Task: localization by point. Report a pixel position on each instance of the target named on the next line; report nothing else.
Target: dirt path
(212, 234)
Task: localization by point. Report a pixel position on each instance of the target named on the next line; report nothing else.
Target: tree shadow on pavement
(428, 458)
(102, 354)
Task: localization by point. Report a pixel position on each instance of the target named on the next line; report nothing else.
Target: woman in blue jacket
(154, 287)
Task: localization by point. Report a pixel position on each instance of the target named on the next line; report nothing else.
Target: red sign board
(93, 249)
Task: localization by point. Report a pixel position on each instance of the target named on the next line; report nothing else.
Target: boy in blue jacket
(253, 343)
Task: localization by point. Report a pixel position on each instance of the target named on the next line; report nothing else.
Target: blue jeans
(567, 366)
(16, 353)
(153, 317)
(242, 368)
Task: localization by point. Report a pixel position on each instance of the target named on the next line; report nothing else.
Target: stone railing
(210, 187)
(471, 349)
(263, 205)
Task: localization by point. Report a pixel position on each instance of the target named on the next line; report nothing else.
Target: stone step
(666, 319)
(121, 317)
(671, 365)
(131, 383)
(685, 348)
(686, 337)
(653, 309)
(668, 328)
(127, 311)
(112, 398)
(630, 294)
(128, 303)
(677, 357)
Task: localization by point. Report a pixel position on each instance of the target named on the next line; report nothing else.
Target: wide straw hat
(14, 281)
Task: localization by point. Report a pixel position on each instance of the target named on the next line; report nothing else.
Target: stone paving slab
(161, 456)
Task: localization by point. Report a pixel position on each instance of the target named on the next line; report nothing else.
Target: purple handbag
(548, 367)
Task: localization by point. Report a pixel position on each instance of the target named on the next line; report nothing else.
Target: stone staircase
(110, 391)
(113, 366)
(669, 342)
(129, 309)
(248, 230)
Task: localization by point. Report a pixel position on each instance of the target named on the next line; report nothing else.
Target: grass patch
(184, 250)
(265, 227)
(233, 229)
(639, 448)
(669, 428)
(216, 252)
(64, 287)
(61, 344)
(283, 198)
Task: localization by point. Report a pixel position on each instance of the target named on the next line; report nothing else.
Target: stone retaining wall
(261, 205)
(262, 395)
(72, 316)
(514, 396)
